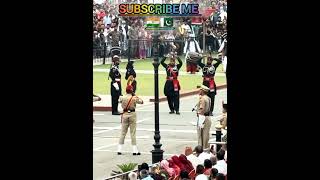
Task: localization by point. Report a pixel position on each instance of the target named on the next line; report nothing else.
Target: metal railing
(122, 176)
(140, 48)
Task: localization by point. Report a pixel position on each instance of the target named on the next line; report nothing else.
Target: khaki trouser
(128, 120)
(204, 133)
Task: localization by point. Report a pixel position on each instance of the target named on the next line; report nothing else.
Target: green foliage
(127, 167)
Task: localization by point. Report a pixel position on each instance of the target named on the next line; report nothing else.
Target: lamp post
(157, 153)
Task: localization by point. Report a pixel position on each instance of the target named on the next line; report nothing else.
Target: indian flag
(153, 22)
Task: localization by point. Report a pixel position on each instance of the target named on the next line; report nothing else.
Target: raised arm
(180, 63)
(200, 63)
(163, 63)
(217, 63)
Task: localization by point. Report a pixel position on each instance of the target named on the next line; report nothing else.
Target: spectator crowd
(106, 20)
(196, 164)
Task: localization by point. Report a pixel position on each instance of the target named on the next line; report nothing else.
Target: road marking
(148, 130)
(106, 146)
(137, 137)
(142, 153)
(98, 114)
(106, 129)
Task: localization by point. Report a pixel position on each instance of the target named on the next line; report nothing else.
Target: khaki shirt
(125, 99)
(203, 105)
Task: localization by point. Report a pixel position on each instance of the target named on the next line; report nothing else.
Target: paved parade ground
(177, 132)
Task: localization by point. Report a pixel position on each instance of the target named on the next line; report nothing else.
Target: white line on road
(142, 153)
(137, 137)
(106, 129)
(148, 130)
(106, 146)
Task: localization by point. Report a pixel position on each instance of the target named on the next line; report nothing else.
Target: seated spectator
(145, 166)
(213, 160)
(177, 161)
(221, 164)
(165, 164)
(220, 177)
(191, 157)
(144, 175)
(214, 173)
(133, 176)
(184, 175)
(174, 166)
(155, 172)
(188, 165)
(201, 154)
(163, 173)
(199, 172)
(207, 167)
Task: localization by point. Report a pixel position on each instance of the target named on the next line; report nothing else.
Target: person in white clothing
(192, 157)
(221, 165)
(202, 155)
(199, 172)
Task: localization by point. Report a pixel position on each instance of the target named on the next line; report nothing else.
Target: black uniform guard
(131, 72)
(115, 76)
(172, 86)
(209, 71)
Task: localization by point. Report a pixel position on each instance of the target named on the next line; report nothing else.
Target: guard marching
(204, 122)
(129, 119)
(172, 86)
(116, 92)
(209, 71)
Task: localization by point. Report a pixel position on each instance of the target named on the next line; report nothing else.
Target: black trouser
(173, 101)
(115, 97)
(115, 102)
(212, 95)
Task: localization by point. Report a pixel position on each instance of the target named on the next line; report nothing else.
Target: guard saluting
(172, 86)
(116, 92)
(209, 71)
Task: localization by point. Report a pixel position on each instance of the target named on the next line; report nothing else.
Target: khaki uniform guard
(129, 119)
(204, 121)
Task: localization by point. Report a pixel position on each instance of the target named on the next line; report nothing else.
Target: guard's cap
(204, 88)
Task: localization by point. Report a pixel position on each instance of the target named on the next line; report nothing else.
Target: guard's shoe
(115, 113)
(171, 112)
(136, 154)
(119, 153)
(210, 114)
(178, 113)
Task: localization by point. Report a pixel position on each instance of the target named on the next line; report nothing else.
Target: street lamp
(157, 153)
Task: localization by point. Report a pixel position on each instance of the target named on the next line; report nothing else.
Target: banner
(196, 20)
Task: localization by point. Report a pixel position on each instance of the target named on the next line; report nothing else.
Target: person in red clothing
(172, 85)
(101, 14)
(177, 161)
(188, 165)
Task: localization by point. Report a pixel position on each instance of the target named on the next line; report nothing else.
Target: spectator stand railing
(132, 49)
(124, 176)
